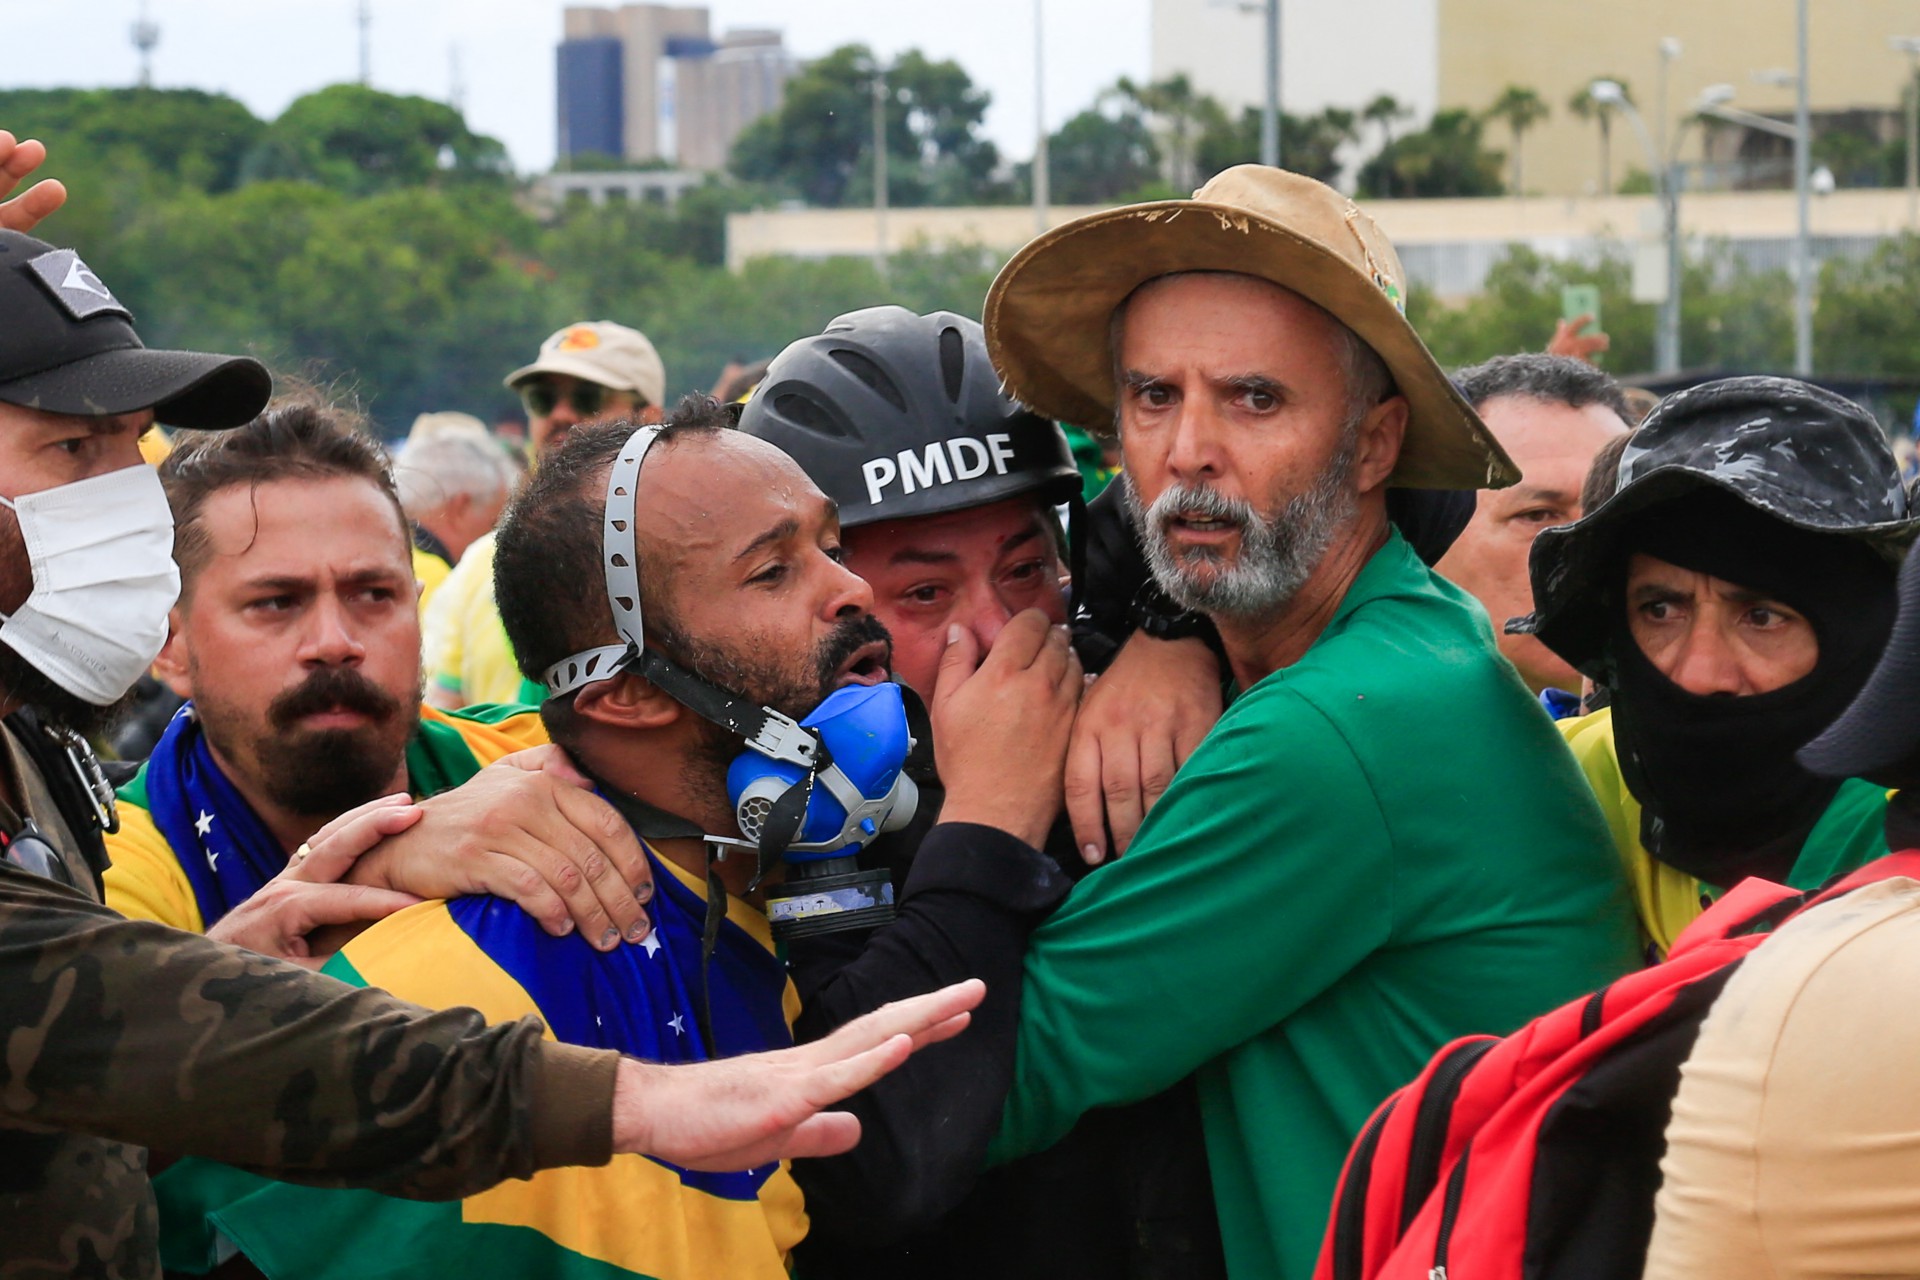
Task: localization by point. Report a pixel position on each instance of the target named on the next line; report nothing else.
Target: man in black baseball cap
(1734, 594)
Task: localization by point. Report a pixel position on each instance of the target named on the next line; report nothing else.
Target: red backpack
(1537, 1156)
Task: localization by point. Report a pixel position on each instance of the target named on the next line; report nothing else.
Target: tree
(1308, 144)
(179, 135)
(1447, 158)
(1521, 108)
(1103, 154)
(1587, 107)
(1384, 112)
(360, 140)
(819, 145)
(1184, 116)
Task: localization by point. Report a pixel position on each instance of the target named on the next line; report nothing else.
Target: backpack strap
(1756, 905)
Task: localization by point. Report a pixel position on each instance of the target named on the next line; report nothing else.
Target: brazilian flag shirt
(190, 848)
(635, 1216)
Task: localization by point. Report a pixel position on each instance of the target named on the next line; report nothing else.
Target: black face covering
(1722, 796)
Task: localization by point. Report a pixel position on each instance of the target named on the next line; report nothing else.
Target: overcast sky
(268, 52)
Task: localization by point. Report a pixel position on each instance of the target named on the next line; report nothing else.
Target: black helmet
(896, 415)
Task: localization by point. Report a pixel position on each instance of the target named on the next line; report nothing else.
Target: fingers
(1120, 788)
(324, 904)
(958, 663)
(616, 870)
(336, 847)
(902, 1018)
(17, 161)
(943, 1031)
(833, 1081)
(1157, 767)
(1086, 803)
(827, 1134)
(1021, 642)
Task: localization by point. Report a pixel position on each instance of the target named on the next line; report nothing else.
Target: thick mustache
(1197, 503)
(848, 639)
(329, 689)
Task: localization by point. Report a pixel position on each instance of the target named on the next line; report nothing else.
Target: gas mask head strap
(767, 731)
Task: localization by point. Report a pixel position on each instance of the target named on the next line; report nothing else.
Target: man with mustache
(674, 591)
(300, 652)
(1383, 844)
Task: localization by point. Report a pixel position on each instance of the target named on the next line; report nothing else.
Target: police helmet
(896, 415)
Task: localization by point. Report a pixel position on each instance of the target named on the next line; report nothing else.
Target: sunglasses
(31, 851)
(587, 398)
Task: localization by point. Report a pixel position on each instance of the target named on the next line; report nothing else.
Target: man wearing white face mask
(120, 1034)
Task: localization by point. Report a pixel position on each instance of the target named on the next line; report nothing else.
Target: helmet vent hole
(953, 362)
(805, 412)
(871, 374)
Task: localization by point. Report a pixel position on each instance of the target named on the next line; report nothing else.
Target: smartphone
(1578, 300)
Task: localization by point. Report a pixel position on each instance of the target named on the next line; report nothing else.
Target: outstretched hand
(1568, 340)
(740, 1113)
(18, 160)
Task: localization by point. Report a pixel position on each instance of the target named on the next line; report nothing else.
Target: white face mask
(103, 581)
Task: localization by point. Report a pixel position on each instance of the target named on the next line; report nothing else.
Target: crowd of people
(798, 830)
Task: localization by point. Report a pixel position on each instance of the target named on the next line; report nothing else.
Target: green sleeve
(1260, 878)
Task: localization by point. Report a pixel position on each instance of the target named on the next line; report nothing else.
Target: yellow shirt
(465, 646)
(145, 880)
(1666, 900)
(430, 571)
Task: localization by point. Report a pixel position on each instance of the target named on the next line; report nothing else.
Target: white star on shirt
(213, 860)
(204, 823)
(675, 1023)
(652, 945)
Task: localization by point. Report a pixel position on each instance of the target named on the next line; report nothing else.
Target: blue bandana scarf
(226, 851)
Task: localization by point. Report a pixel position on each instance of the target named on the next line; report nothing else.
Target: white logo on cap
(74, 286)
(942, 462)
(80, 276)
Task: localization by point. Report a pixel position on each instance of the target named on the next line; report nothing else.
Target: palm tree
(1522, 109)
(1182, 112)
(1584, 105)
(1385, 111)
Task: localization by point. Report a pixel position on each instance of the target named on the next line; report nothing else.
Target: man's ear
(172, 664)
(627, 702)
(1381, 434)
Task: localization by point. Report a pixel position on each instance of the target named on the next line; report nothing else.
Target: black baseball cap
(67, 345)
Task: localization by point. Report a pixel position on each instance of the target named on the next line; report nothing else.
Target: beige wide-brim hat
(1048, 312)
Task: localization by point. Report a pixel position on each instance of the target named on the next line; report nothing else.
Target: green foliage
(1308, 144)
(819, 146)
(181, 136)
(1866, 321)
(1520, 108)
(1730, 317)
(1102, 154)
(1447, 158)
(360, 140)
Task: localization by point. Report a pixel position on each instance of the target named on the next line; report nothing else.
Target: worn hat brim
(189, 389)
(1048, 313)
(1881, 726)
(584, 370)
(1573, 566)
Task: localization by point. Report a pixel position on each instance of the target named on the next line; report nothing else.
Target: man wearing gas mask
(1733, 596)
(719, 673)
(124, 1032)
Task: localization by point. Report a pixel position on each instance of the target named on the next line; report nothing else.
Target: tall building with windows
(649, 83)
(1432, 54)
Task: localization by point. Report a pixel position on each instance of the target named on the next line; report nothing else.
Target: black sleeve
(973, 897)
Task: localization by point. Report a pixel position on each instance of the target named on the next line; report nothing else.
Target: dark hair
(300, 439)
(1554, 379)
(1603, 476)
(547, 577)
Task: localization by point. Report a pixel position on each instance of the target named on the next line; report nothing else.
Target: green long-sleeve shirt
(1379, 848)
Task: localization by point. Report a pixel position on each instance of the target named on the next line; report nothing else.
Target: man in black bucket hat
(1733, 594)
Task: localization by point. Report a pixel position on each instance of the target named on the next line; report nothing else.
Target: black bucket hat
(1791, 451)
(1878, 736)
(67, 346)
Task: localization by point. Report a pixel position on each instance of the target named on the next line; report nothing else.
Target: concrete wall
(1447, 245)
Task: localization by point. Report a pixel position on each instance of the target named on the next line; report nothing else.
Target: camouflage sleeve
(129, 1030)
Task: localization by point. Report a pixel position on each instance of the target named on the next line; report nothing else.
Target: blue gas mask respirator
(810, 793)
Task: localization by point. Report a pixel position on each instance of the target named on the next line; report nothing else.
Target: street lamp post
(880, 169)
(1910, 45)
(1270, 110)
(1608, 93)
(1042, 185)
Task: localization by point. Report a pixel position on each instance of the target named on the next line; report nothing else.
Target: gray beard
(1277, 555)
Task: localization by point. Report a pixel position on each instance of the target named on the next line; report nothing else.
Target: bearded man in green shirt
(1383, 844)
